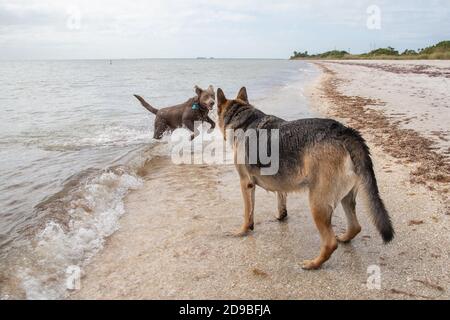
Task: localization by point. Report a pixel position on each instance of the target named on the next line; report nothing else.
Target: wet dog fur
(183, 115)
(323, 156)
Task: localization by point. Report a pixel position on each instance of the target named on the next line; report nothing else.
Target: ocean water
(73, 140)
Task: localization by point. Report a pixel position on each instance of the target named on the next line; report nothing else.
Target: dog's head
(206, 98)
(223, 104)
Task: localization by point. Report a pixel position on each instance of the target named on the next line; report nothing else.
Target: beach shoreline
(420, 141)
(184, 251)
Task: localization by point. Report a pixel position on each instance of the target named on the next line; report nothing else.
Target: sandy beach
(174, 240)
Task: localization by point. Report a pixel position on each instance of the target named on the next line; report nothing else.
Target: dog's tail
(360, 155)
(146, 105)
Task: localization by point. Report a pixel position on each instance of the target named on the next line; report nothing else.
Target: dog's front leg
(211, 122)
(282, 210)
(191, 126)
(248, 193)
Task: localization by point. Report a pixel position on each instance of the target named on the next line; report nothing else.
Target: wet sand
(174, 241)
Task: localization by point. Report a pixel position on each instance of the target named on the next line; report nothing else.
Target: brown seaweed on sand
(430, 167)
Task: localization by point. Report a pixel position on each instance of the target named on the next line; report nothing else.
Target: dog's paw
(282, 215)
(348, 236)
(344, 238)
(243, 232)
(310, 265)
(237, 234)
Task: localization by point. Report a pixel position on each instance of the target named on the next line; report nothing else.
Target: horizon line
(121, 59)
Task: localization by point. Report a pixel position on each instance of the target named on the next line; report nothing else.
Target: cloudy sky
(78, 29)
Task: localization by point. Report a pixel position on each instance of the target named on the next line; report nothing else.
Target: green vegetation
(334, 54)
(301, 54)
(440, 51)
(441, 47)
(389, 51)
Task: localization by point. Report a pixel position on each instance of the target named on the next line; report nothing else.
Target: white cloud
(200, 27)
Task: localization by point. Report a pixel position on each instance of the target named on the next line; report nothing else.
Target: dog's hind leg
(353, 226)
(248, 193)
(160, 128)
(282, 210)
(322, 213)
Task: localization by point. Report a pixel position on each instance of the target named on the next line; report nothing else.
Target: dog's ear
(211, 89)
(221, 99)
(242, 95)
(198, 90)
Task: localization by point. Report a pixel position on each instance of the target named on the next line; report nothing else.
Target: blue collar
(195, 106)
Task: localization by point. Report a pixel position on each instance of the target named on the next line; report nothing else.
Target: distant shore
(380, 57)
(439, 51)
(183, 251)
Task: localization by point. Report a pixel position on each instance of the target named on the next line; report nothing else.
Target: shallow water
(73, 141)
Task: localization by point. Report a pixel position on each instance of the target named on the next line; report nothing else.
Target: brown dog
(186, 114)
(323, 156)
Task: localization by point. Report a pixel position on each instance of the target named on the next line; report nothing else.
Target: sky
(114, 29)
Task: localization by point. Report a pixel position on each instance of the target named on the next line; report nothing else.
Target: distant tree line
(438, 51)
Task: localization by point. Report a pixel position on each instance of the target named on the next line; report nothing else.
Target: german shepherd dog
(329, 159)
(186, 114)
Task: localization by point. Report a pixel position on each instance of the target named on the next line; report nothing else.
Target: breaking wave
(73, 226)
